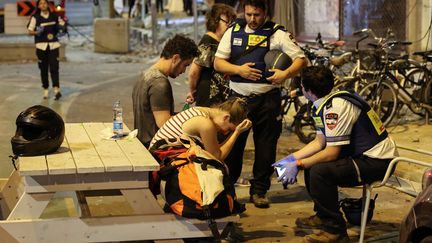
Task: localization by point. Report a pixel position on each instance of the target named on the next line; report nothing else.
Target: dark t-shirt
(211, 87)
(152, 92)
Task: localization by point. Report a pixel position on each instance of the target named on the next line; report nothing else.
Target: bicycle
(303, 124)
(391, 91)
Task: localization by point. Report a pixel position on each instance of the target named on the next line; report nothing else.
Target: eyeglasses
(228, 22)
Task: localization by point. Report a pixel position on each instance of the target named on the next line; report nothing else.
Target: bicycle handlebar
(358, 32)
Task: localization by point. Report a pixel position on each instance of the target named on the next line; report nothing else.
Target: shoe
(242, 182)
(326, 237)
(260, 201)
(312, 222)
(57, 96)
(45, 94)
(239, 207)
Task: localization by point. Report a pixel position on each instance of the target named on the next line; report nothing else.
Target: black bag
(352, 208)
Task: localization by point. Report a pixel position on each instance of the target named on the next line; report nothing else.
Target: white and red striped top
(173, 127)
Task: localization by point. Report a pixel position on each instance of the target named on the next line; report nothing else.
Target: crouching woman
(205, 123)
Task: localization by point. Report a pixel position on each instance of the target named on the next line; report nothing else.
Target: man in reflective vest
(351, 148)
(260, 87)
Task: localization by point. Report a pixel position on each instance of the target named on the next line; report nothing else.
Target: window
(336, 19)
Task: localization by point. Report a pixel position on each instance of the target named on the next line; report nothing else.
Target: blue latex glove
(289, 175)
(39, 30)
(282, 162)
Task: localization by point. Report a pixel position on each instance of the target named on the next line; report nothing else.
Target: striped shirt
(173, 127)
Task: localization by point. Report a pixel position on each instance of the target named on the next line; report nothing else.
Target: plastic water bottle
(186, 106)
(117, 119)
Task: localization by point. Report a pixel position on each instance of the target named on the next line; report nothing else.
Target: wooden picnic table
(87, 164)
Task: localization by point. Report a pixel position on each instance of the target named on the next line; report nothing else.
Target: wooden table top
(85, 151)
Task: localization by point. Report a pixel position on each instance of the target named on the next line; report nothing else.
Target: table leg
(142, 201)
(30, 206)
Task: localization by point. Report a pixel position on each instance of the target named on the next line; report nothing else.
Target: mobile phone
(279, 170)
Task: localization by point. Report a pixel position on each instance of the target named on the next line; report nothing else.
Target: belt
(254, 96)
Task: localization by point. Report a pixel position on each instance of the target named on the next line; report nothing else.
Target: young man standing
(247, 80)
(152, 97)
(352, 147)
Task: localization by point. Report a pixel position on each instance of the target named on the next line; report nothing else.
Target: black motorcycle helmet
(276, 59)
(352, 208)
(40, 130)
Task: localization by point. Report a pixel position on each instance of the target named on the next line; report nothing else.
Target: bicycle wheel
(382, 99)
(304, 125)
(350, 83)
(417, 84)
(416, 78)
(427, 94)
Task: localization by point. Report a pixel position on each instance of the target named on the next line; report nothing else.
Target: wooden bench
(86, 165)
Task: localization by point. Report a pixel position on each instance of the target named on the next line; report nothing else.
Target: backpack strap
(211, 223)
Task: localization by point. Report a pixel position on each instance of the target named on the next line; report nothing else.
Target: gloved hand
(61, 30)
(39, 30)
(289, 175)
(282, 162)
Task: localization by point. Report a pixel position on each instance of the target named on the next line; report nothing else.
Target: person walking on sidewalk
(247, 80)
(351, 148)
(45, 26)
(152, 96)
(206, 86)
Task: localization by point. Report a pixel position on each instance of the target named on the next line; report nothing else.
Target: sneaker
(45, 94)
(326, 237)
(312, 222)
(242, 182)
(260, 201)
(57, 96)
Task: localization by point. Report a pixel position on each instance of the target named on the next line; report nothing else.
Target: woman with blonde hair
(206, 86)
(204, 124)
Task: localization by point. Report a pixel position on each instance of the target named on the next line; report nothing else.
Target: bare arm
(245, 71)
(229, 143)
(206, 129)
(32, 26)
(311, 148)
(316, 152)
(194, 75)
(161, 117)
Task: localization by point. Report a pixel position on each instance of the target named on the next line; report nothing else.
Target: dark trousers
(159, 6)
(187, 6)
(48, 60)
(322, 181)
(264, 112)
(131, 5)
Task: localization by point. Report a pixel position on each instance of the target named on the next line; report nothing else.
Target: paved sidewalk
(89, 87)
(277, 223)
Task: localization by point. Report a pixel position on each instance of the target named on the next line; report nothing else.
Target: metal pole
(154, 24)
(143, 14)
(195, 13)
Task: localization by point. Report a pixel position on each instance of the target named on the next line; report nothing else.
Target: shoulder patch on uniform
(331, 120)
(236, 27)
